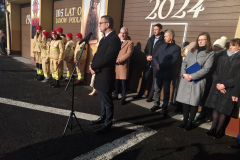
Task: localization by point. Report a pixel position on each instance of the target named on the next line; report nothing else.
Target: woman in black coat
(224, 79)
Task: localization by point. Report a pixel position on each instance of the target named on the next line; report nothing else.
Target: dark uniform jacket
(149, 50)
(104, 61)
(226, 73)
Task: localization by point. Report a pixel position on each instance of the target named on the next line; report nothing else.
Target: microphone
(86, 38)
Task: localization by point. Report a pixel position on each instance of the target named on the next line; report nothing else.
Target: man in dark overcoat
(165, 60)
(103, 65)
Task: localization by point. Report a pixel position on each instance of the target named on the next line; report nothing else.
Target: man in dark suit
(103, 65)
(156, 40)
(165, 60)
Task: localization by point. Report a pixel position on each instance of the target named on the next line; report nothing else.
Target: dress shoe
(103, 130)
(154, 108)
(188, 127)
(36, 75)
(40, 78)
(98, 121)
(56, 85)
(50, 85)
(163, 112)
(149, 99)
(202, 116)
(79, 82)
(183, 124)
(234, 146)
(114, 98)
(137, 97)
(218, 135)
(123, 102)
(211, 132)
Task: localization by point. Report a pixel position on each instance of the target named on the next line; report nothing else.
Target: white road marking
(107, 151)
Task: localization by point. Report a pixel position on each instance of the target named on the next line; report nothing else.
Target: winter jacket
(167, 56)
(226, 73)
(79, 49)
(150, 50)
(70, 49)
(45, 51)
(56, 50)
(189, 92)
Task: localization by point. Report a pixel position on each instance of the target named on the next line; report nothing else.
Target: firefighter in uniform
(37, 43)
(69, 54)
(56, 57)
(45, 56)
(64, 41)
(82, 62)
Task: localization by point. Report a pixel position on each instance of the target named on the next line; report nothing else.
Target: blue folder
(192, 69)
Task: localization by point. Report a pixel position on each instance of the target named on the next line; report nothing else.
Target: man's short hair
(109, 20)
(170, 32)
(125, 28)
(158, 25)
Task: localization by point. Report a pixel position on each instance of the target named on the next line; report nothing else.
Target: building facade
(188, 18)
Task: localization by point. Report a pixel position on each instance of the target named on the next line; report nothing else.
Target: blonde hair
(38, 37)
(44, 41)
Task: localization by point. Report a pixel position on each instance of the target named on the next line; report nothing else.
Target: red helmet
(53, 32)
(46, 34)
(39, 28)
(69, 35)
(79, 35)
(60, 30)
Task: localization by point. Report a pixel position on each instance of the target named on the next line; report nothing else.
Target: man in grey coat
(165, 60)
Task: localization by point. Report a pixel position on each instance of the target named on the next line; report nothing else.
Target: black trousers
(2, 45)
(124, 88)
(159, 84)
(107, 107)
(147, 72)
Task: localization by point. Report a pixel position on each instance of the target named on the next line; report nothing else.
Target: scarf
(230, 53)
(201, 48)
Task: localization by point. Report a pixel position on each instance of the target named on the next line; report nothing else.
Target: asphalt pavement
(33, 117)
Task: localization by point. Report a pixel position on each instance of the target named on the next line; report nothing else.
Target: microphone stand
(72, 115)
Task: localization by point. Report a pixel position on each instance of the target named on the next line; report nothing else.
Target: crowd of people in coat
(214, 86)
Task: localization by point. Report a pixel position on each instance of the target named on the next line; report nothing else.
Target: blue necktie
(121, 42)
(104, 37)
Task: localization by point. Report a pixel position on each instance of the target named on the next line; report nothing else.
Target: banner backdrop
(92, 12)
(35, 14)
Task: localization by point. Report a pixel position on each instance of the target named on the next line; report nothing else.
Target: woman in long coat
(189, 93)
(224, 79)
